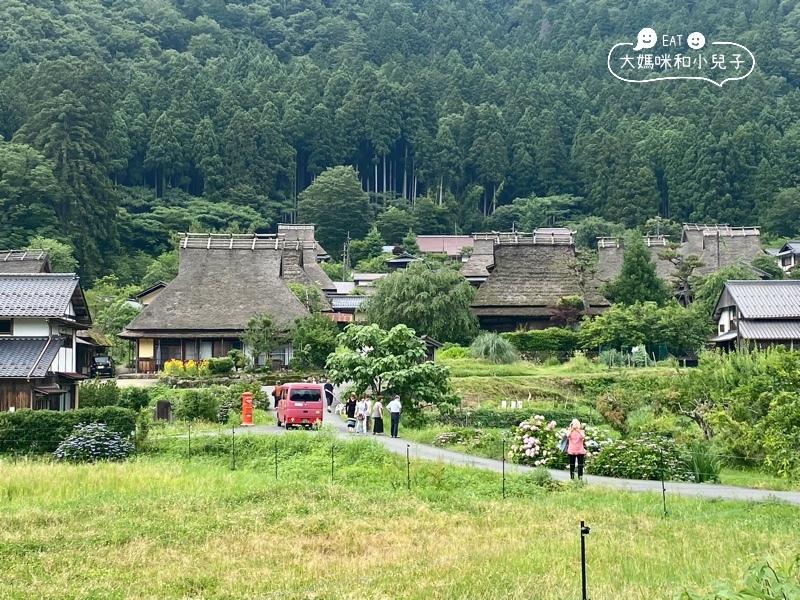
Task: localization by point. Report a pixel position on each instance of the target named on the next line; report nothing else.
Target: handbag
(562, 444)
(360, 417)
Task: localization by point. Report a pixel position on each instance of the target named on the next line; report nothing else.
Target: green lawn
(168, 525)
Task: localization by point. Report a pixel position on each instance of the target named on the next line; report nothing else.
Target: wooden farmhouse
(528, 275)
(224, 280)
(41, 353)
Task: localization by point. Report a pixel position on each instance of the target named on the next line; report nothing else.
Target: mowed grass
(168, 525)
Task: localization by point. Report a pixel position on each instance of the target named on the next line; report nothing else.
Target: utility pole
(346, 258)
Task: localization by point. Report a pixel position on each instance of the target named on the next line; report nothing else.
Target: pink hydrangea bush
(534, 442)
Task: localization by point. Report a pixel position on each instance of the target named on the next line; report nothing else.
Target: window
(721, 328)
(6, 326)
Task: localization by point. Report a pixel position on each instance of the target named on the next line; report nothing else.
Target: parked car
(101, 366)
(300, 405)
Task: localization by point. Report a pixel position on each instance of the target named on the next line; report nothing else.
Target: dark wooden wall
(16, 393)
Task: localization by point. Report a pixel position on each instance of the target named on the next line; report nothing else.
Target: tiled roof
(44, 295)
(769, 330)
(28, 357)
(778, 299)
(347, 302)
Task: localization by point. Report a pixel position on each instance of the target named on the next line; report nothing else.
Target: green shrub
(135, 398)
(552, 339)
(96, 393)
(500, 418)
(493, 348)
(705, 462)
(197, 405)
(454, 351)
(647, 457)
(220, 366)
(28, 430)
(90, 442)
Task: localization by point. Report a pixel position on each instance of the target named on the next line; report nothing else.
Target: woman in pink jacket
(575, 448)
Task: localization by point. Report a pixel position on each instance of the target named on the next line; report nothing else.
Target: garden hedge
(552, 339)
(507, 418)
(28, 430)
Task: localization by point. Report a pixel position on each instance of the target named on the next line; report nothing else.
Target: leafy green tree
(309, 295)
(637, 281)
(164, 153)
(707, 288)
(58, 253)
(768, 264)
(409, 243)
(393, 224)
(163, 268)
(263, 334)
(389, 362)
(434, 303)
(370, 247)
(336, 204)
(314, 339)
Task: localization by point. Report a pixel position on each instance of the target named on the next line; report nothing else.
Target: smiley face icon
(696, 40)
(646, 39)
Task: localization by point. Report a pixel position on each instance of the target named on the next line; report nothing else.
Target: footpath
(428, 452)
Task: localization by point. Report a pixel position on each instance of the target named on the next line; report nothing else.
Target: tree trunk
(405, 175)
(441, 192)
(414, 191)
(376, 178)
(384, 179)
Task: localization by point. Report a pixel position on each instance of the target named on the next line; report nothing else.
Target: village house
(449, 245)
(528, 275)
(757, 314)
(24, 261)
(224, 280)
(41, 353)
(788, 255)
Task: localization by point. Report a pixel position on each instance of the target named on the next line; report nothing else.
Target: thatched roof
(220, 290)
(481, 259)
(24, 261)
(529, 277)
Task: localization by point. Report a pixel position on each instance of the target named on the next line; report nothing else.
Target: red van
(300, 404)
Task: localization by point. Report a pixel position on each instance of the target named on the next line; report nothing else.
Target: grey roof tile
(28, 357)
(778, 299)
(44, 295)
(769, 330)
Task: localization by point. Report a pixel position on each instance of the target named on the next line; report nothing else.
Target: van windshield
(305, 395)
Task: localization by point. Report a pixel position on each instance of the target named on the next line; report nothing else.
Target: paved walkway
(427, 452)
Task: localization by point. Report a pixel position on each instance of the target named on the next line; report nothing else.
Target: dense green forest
(125, 121)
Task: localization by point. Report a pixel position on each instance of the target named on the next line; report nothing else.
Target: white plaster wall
(31, 328)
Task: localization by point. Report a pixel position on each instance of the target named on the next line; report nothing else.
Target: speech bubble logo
(696, 40)
(646, 39)
(671, 77)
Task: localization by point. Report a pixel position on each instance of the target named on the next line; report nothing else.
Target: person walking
(362, 409)
(328, 387)
(368, 418)
(377, 416)
(350, 411)
(395, 408)
(575, 448)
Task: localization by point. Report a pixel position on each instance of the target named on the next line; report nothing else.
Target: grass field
(171, 526)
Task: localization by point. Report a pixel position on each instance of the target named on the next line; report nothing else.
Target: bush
(552, 339)
(28, 430)
(91, 442)
(96, 393)
(453, 351)
(197, 405)
(134, 398)
(472, 439)
(220, 366)
(705, 462)
(493, 348)
(535, 442)
(500, 418)
(647, 457)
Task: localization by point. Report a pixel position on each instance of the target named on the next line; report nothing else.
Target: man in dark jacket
(328, 387)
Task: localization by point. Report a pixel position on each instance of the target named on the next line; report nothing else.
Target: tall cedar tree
(637, 281)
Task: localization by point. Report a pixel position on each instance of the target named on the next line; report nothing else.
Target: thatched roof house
(223, 280)
(24, 261)
(530, 274)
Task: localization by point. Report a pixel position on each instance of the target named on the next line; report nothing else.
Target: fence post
(233, 449)
(276, 459)
(331, 464)
(584, 533)
(189, 451)
(504, 468)
(663, 487)
(408, 466)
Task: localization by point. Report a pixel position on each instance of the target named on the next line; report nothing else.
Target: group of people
(365, 416)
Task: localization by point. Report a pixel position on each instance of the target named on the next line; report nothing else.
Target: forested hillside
(126, 120)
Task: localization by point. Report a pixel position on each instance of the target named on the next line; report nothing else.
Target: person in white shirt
(394, 407)
(362, 410)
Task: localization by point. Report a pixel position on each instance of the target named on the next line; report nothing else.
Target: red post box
(247, 409)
